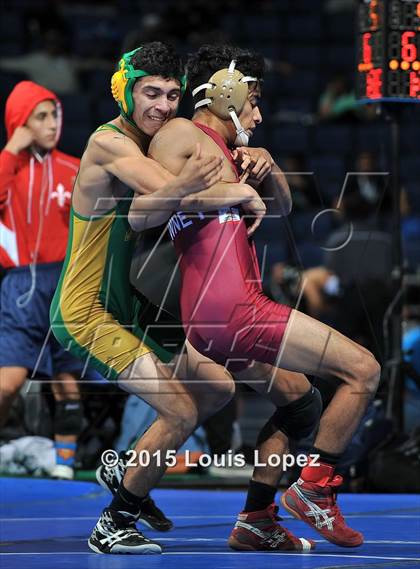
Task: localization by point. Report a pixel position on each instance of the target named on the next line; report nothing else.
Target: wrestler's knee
(372, 374)
(10, 383)
(215, 398)
(365, 372)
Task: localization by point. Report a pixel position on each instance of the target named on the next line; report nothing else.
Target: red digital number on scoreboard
(374, 84)
(367, 48)
(414, 84)
(408, 49)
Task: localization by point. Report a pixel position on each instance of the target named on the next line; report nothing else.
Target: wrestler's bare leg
(311, 347)
(176, 402)
(12, 380)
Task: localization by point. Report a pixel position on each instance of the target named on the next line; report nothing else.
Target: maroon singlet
(225, 314)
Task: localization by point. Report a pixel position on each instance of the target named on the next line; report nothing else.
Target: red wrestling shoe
(259, 531)
(316, 505)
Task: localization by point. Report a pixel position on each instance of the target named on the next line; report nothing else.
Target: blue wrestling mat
(45, 523)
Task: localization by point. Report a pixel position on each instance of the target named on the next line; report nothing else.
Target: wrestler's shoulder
(110, 141)
(180, 125)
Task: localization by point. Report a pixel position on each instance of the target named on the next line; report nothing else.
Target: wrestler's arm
(172, 146)
(121, 158)
(275, 186)
(266, 176)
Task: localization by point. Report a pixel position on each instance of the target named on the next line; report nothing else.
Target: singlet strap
(220, 142)
(108, 126)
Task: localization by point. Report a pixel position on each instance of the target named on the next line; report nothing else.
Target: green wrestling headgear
(123, 81)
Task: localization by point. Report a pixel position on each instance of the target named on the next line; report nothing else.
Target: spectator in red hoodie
(36, 181)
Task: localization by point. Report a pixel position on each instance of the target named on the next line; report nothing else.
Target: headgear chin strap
(122, 84)
(225, 95)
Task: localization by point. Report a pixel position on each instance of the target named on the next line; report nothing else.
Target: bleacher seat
(232, 25)
(11, 27)
(76, 109)
(412, 187)
(328, 170)
(334, 138)
(11, 49)
(410, 139)
(339, 27)
(330, 191)
(270, 252)
(340, 56)
(260, 136)
(105, 110)
(410, 169)
(308, 255)
(306, 6)
(262, 28)
(307, 81)
(74, 139)
(371, 135)
(296, 104)
(308, 26)
(411, 252)
(306, 56)
(97, 82)
(311, 226)
(286, 138)
(8, 80)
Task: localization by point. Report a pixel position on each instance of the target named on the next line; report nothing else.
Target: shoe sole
(239, 546)
(307, 546)
(303, 519)
(147, 549)
(152, 527)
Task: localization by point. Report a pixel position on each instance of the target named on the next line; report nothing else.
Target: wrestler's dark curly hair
(158, 58)
(210, 58)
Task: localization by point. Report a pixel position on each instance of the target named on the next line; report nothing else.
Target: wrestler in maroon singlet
(225, 313)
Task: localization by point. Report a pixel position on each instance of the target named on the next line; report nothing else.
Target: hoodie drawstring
(46, 183)
(30, 189)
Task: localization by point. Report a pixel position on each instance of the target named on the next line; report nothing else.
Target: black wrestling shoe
(152, 517)
(109, 477)
(116, 533)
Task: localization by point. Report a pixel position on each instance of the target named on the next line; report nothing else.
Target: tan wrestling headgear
(225, 95)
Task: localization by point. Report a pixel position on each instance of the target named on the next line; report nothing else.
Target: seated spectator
(338, 100)
(50, 66)
(368, 186)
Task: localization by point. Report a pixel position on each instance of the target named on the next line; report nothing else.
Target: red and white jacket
(35, 191)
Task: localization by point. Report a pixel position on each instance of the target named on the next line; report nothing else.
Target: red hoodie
(34, 193)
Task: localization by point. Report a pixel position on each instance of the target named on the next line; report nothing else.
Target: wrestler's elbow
(140, 221)
(191, 203)
(137, 221)
(285, 205)
(288, 206)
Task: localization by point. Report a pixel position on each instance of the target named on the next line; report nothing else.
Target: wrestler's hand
(22, 138)
(257, 163)
(200, 172)
(255, 208)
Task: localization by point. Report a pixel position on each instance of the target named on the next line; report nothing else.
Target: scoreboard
(388, 50)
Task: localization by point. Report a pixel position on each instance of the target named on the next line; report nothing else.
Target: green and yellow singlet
(94, 312)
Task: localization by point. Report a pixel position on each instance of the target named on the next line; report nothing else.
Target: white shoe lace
(321, 516)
